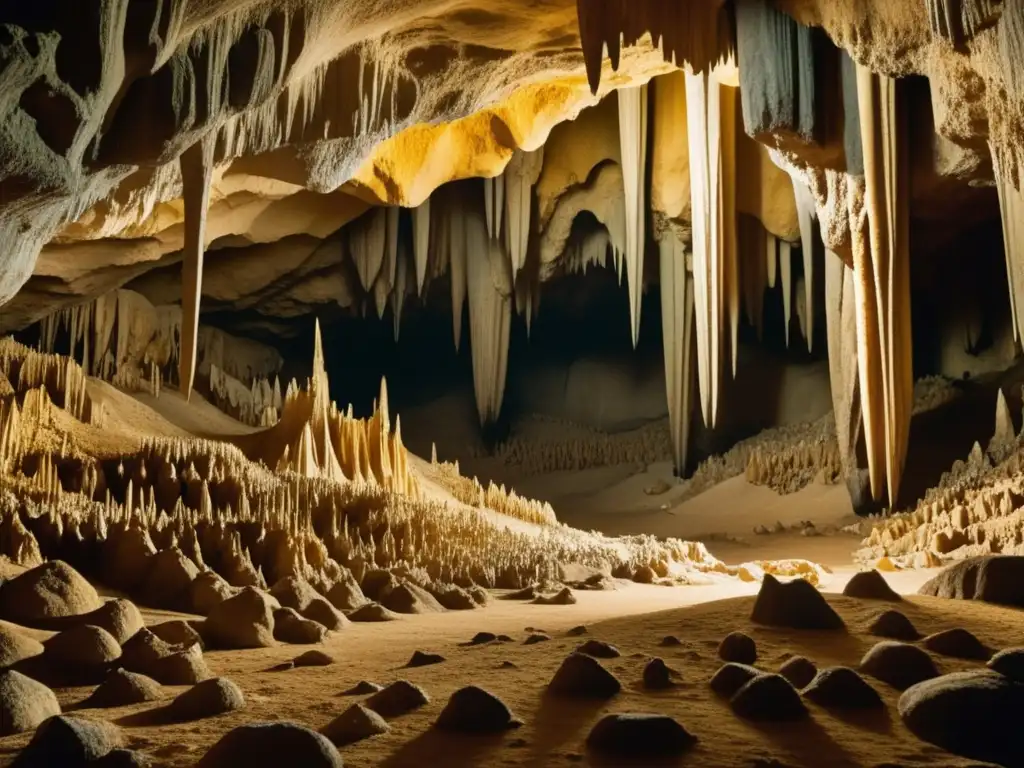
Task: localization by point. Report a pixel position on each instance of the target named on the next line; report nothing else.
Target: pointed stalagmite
(196, 172)
(884, 280)
(677, 336)
(806, 213)
(633, 146)
(421, 242)
(1003, 434)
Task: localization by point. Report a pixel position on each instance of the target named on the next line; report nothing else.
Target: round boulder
(958, 643)
(355, 724)
(640, 736)
(738, 647)
(271, 745)
(52, 590)
(122, 688)
(1009, 663)
(731, 677)
(397, 699)
(898, 664)
(768, 697)
(243, 621)
(24, 703)
(206, 699)
(290, 627)
(870, 585)
(842, 688)
(82, 647)
(16, 646)
(895, 626)
(582, 676)
(599, 650)
(70, 742)
(474, 710)
(799, 671)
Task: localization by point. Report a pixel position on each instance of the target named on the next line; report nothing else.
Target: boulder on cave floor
(895, 626)
(640, 736)
(168, 580)
(995, 579)
(177, 632)
(842, 688)
(599, 649)
(313, 658)
(69, 742)
(870, 585)
(899, 664)
(799, 671)
(795, 604)
(1009, 663)
(583, 676)
(535, 638)
(975, 714)
(474, 710)
(526, 593)
(409, 598)
(299, 595)
(768, 697)
(422, 659)
(168, 664)
(53, 590)
(83, 650)
(453, 597)
(355, 724)
(272, 745)
(738, 647)
(209, 589)
(123, 758)
(243, 621)
(16, 645)
(346, 595)
(121, 688)
(481, 638)
(397, 699)
(291, 627)
(958, 643)
(120, 617)
(658, 675)
(373, 612)
(563, 597)
(24, 703)
(363, 688)
(207, 699)
(731, 677)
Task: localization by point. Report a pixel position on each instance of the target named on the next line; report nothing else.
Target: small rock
(795, 605)
(421, 659)
(657, 675)
(527, 593)
(975, 714)
(738, 647)
(24, 703)
(373, 612)
(731, 677)
(314, 658)
(894, 625)
(474, 710)
(482, 638)
(1009, 663)
(599, 650)
(562, 597)
(122, 688)
(577, 631)
(535, 638)
(640, 736)
(898, 664)
(507, 665)
(354, 724)
(397, 699)
(69, 742)
(799, 671)
(583, 676)
(505, 639)
(291, 627)
(842, 688)
(363, 688)
(669, 641)
(958, 643)
(768, 697)
(284, 666)
(870, 585)
(208, 698)
(272, 745)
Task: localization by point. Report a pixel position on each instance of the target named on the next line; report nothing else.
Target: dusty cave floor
(634, 619)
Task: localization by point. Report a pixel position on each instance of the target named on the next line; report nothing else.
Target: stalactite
(521, 175)
(367, 243)
(633, 147)
(677, 335)
(196, 173)
(1011, 209)
(488, 279)
(729, 221)
(771, 258)
(453, 214)
(494, 204)
(960, 20)
(401, 288)
(806, 213)
(753, 270)
(421, 242)
(884, 282)
(786, 271)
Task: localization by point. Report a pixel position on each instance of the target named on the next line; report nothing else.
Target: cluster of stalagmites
(788, 467)
(977, 508)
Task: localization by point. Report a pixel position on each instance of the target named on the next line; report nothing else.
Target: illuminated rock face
(294, 157)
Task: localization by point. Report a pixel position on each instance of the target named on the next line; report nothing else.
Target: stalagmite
(786, 270)
(1003, 435)
(806, 213)
(490, 314)
(521, 174)
(196, 173)
(421, 242)
(884, 281)
(633, 147)
(677, 335)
